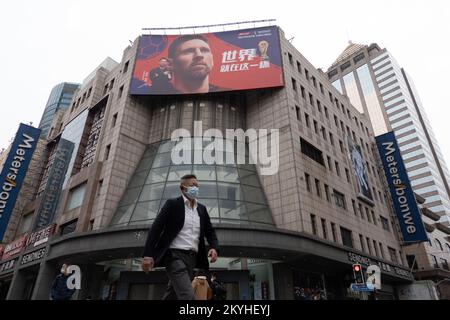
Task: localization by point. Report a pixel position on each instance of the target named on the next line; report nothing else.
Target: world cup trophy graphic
(263, 47)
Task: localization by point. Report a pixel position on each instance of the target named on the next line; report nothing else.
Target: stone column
(47, 273)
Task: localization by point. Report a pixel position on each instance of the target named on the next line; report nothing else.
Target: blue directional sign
(362, 287)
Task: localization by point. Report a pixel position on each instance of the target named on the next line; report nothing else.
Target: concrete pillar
(47, 273)
(17, 288)
(283, 281)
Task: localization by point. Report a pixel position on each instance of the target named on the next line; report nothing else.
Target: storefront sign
(7, 266)
(359, 259)
(33, 256)
(402, 195)
(14, 248)
(356, 258)
(40, 237)
(14, 170)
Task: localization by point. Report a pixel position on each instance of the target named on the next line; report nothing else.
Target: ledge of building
(235, 240)
(442, 227)
(429, 227)
(430, 214)
(419, 198)
(432, 274)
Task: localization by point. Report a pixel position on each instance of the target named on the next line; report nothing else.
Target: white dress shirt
(188, 237)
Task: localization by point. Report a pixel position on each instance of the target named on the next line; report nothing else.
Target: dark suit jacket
(169, 223)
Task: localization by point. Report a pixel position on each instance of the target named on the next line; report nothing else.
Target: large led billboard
(209, 62)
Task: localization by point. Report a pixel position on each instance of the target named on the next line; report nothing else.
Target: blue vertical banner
(402, 195)
(14, 171)
(52, 192)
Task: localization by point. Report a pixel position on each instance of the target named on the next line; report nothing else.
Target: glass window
(259, 213)
(162, 160)
(252, 194)
(151, 151)
(392, 254)
(333, 231)
(337, 85)
(26, 223)
(122, 215)
(351, 89)
(138, 179)
(145, 210)
(207, 189)
(73, 133)
(76, 196)
(149, 192)
(227, 174)
(68, 227)
(249, 177)
(340, 199)
(346, 237)
(204, 172)
(176, 172)
(361, 241)
(234, 210)
(230, 191)
(212, 206)
(324, 228)
(172, 190)
(385, 223)
(157, 175)
(166, 146)
(313, 224)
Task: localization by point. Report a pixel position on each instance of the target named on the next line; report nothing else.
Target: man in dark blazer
(177, 240)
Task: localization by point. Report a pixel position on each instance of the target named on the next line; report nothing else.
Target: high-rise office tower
(59, 98)
(377, 86)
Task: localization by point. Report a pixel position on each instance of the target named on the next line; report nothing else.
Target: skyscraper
(59, 98)
(377, 86)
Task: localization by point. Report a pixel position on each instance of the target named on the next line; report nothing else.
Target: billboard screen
(402, 194)
(14, 171)
(209, 62)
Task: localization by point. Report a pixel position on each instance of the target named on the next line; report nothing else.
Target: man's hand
(147, 264)
(212, 253)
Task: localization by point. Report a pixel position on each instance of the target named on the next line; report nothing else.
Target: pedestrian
(176, 240)
(60, 289)
(218, 288)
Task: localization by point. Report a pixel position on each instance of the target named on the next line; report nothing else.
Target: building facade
(378, 87)
(288, 235)
(59, 99)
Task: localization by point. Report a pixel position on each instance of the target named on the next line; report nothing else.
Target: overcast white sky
(47, 42)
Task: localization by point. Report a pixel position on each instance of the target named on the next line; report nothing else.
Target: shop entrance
(137, 285)
(4, 287)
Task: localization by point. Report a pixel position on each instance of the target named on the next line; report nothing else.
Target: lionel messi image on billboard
(210, 62)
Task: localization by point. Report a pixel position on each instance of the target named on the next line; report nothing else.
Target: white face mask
(63, 270)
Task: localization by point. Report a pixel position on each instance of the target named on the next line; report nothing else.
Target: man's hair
(182, 39)
(188, 176)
